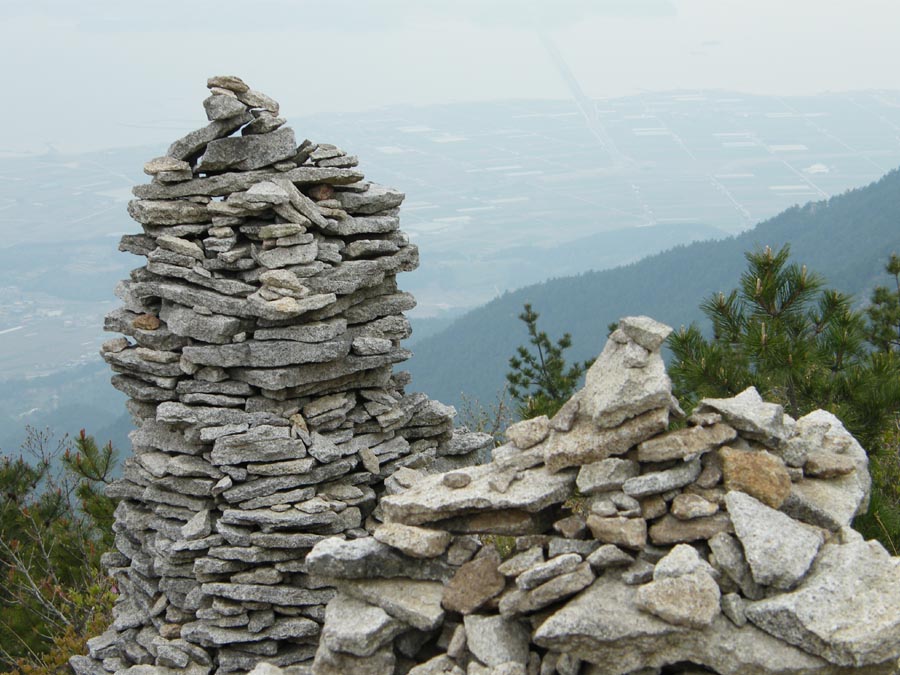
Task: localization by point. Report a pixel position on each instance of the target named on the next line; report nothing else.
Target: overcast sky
(106, 73)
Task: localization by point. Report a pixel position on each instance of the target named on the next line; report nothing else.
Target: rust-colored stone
(146, 322)
(756, 473)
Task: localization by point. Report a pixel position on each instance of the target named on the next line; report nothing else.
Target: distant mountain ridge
(847, 238)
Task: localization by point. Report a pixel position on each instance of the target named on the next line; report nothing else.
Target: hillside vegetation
(847, 239)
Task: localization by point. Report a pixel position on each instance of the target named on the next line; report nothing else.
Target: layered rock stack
(261, 336)
(603, 542)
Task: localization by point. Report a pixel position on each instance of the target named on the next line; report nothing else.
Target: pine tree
(542, 381)
(807, 348)
(884, 311)
(783, 333)
(55, 523)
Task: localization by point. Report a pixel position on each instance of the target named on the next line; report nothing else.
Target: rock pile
(261, 336)
(600, 542)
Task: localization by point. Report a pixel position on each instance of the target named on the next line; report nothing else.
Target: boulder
(845, 610)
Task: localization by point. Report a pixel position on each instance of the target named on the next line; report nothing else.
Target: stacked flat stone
(261, 338)
(628, 547)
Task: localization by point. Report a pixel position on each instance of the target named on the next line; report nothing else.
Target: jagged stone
(191, 145)
(328, 662)
(845, 610)
(646, 332)
(779, 550)
(417, 603)
(476, 582)
(245, 153)
(530, 432)
(613, 392)
(627, 532)
(686, 600)
(629, 639)
(494, 640)
(729, 557)
(828, 465)
(749, 414)
(356, 627)
(690, 506)
(608, 555)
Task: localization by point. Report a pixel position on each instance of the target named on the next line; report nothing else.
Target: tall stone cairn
(261, 338)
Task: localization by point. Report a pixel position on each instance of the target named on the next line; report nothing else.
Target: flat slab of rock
(417, 603)
(534, 490)
(368, 558)
(657, 482)
(558, 588)
(685, 443)
(671, 530)
(246, 153)
(779, 550)
(606, 475)
(289, 596)
(266, 353)
(584, 443)
(846, 609)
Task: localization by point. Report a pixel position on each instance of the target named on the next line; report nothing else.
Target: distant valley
(499, 196)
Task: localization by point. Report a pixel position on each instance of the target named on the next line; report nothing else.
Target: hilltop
(846, 238)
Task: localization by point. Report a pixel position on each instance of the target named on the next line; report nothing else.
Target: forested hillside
(847, 239)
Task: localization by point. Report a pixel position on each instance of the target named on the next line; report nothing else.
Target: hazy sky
(102, 73)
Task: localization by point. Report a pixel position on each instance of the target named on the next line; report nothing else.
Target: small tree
(55, 523)
(884, 311)
(781, 332)
(806, 348)
(542, 381)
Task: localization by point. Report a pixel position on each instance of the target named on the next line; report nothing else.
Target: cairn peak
(260, 339)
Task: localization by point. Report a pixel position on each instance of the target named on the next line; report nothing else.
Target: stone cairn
(602, 542)
(263, 331)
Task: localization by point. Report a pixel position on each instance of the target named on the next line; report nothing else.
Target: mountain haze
(847, 238)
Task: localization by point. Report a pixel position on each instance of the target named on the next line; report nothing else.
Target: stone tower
(261, 335)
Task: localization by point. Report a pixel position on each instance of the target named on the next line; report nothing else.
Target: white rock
(779, 550)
